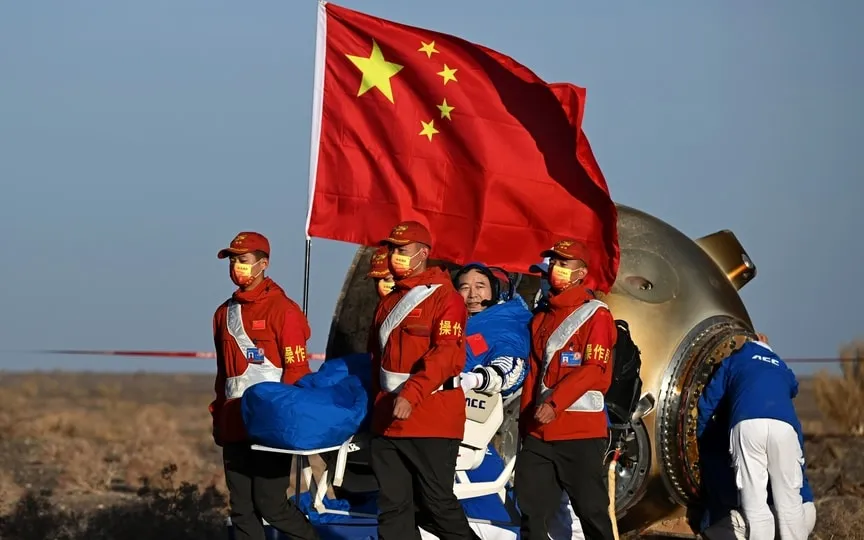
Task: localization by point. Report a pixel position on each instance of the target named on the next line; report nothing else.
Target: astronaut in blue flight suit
(497, 336)
(498, 340)
(756, 388)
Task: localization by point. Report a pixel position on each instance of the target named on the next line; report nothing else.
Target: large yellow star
(376, 72)
(428, 129)
(428, 48)
(448, 74)
(445, 110)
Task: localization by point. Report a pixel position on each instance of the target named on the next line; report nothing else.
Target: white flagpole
(317, 106)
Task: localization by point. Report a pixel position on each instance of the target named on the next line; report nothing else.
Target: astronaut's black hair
(495, 281)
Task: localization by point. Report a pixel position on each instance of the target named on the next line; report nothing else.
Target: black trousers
(257, 486)
(544, 469)
(415, 480)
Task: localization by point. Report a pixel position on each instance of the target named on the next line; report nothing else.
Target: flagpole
(306, 276)
(317, 107)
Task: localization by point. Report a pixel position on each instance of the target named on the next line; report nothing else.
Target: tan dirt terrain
(102, 456)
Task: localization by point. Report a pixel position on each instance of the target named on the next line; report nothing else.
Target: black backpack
(626, 387)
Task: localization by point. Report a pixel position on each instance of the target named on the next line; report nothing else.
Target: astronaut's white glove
(470, 381)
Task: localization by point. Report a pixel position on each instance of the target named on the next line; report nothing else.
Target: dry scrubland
(99, 457)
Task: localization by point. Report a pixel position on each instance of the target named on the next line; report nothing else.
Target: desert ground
(103, 456)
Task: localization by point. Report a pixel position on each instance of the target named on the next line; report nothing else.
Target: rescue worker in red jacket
(260, 335)
(418, 418)
(379, 270)
(562, 418)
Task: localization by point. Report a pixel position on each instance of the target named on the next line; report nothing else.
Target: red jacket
(584, 367)
(273, 322)
(428, 345)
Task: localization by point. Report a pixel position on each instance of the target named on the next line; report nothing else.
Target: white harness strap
(254, 373)
(392, 381)
(592, 400)
(403, 307)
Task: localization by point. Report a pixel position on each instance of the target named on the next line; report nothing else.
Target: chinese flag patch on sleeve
(477, 344)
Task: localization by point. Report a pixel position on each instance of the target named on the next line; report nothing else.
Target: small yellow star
(376, 71)
(445, 110)
(428, 129)
(448, 74)
(428, 48)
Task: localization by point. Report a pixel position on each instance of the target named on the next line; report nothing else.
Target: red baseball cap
(378, 265)
(246, 242)
(568, 249)
(408, 232)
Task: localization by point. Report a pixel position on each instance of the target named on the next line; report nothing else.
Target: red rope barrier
(163, 354)
(322, 356)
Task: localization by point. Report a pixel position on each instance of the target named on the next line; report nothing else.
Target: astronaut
(496, 335)
(498, 344)
(765, 439)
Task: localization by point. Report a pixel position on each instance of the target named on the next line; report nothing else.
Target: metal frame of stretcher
(484, 416)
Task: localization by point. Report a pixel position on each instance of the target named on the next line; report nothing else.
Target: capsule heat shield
(685, 378)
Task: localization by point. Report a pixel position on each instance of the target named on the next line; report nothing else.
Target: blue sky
(137, 138)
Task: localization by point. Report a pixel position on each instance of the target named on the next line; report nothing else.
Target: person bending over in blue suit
(765, 442)
(721, 516)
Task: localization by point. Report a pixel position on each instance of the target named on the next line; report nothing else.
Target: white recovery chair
(484, 416)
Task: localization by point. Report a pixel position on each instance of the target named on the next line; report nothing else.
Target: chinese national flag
(414, 124)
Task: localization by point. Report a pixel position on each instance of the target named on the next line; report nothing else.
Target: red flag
(414, 124)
